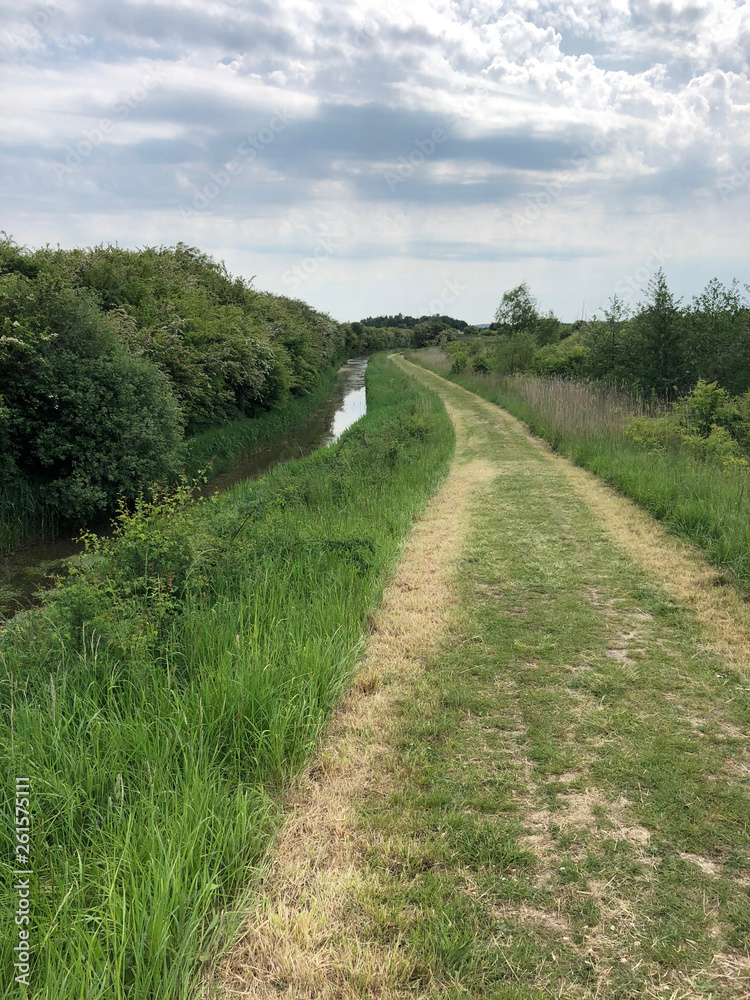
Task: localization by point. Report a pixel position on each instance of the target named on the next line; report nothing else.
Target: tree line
(110, 359)
(663, 347)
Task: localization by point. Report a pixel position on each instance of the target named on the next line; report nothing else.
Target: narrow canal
(26, 571)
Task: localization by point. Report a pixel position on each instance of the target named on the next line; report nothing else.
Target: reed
(24, 516)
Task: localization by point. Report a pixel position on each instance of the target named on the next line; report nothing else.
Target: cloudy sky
(412, 155)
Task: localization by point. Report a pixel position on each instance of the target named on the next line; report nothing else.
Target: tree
(547, 329)
(428, 331)
(514, 354)
(659, 326)
(717, 325)
(518, 310)
(614, 354)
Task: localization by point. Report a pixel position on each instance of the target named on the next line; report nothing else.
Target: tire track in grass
(311, 935)
(539, 785)
(680, 567)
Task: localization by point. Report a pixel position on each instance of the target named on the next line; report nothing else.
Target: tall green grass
(220, 446)
(23, 516)
(162, 699)
(695, 498)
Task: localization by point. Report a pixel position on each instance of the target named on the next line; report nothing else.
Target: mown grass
(695, 499)
(569, 813)
(160, 701)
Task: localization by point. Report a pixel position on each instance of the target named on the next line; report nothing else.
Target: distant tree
(399, 320)
(614, 355)
(660, 329)
(547, 329)
(514, 354)
(428, 331)
(518, 310)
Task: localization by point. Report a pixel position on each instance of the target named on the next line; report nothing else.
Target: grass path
(539, 784)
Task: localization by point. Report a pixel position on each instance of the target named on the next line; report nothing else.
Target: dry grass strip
(680, 568)
(311, 936)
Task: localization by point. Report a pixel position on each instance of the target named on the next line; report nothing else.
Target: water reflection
(25, 571)
(353, 407)
(345, 404)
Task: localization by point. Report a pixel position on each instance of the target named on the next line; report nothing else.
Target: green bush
(459, 362)
(84, 420)
(707, 421)
(567, 358)
(514, 353)
(109, 358)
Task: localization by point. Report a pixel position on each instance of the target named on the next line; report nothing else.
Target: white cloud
(605, 121)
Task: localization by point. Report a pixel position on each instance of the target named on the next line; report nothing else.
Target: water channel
(27, 570)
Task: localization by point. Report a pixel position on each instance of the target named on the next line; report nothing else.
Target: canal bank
(26, 571)
(163, 703)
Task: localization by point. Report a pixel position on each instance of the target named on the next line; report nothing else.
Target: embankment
(160, 703)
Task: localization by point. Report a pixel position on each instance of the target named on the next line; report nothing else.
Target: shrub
(108, 357)
(514, 353)
(86, 421)
(459, 363)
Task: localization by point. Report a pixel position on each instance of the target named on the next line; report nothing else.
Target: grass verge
(694, 499)
(561, 804)
(162, 699)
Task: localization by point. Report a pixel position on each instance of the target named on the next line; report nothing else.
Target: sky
(415, 156)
